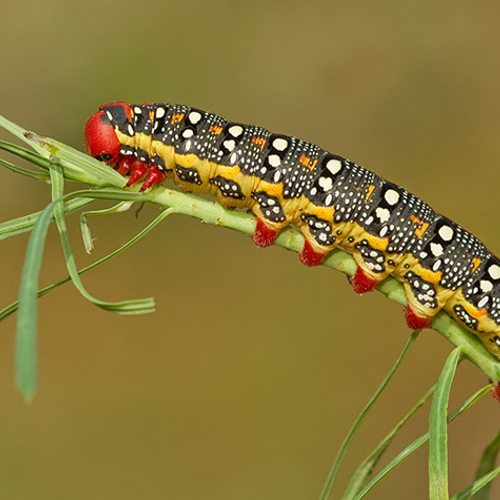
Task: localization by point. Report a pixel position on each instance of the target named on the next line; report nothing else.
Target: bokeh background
(244, 382)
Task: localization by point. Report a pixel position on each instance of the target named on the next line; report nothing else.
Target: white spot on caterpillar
(160, 112)
(325, 183)
(437, 265)
(391, 196)
(383, 214)
(137, 110)
(274, 160)
(329, 200)
(229, 145)
(194, 117)
(437, 249)
(494, 271)
(109, 115)
(483, 302)
(233, 158)
(235, 130)
(486, 286)
(130, 129)
(187, 133)
(334, 166)
(280, 144)
(277, 176)
(446, 232)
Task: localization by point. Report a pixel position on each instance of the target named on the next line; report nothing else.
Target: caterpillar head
(100, 137)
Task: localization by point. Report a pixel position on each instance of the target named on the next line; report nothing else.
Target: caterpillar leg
(264, 236)
(424, 301)
(155, 176)
(319, 238)
(372, 267)
(270, 218)
(363, 282)
(124, 165)
(311, 257)
(138, 171)
(415, 319)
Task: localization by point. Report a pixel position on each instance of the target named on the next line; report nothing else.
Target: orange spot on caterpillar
(307, 162)
(177, 118)
(422, 226)
(475, 263)
(371, 188)
(259, 141)
(151, 116)
(215, 130)
(477, 313)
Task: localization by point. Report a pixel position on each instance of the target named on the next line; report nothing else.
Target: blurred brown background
(227, 392)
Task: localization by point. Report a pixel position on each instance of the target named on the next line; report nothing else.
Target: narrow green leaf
(88, 242)
(137, 306)
(26, 323)
(438, 431)
(366, 467)
(420, 441)
(40, 176)
(479, 488)
(77, 162)
(26, 154)
(327, 489)
(15, 130)
(12, 308)
(497, 372)
(79, 166)
(25, 362)
(26, 222)
(485, 467)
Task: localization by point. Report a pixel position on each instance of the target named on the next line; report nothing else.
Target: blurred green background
(227, 392)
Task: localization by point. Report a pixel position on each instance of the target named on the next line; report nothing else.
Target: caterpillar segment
(331, 200)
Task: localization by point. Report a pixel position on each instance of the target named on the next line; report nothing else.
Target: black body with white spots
(331, 200)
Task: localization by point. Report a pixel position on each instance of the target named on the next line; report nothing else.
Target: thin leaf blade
(438, 430)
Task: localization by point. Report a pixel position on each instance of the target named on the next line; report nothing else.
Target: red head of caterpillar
(100, 137)
(104, 144)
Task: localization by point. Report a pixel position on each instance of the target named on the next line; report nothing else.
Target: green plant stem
(78, 166)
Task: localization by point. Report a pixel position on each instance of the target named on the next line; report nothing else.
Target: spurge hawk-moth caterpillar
(331, 200)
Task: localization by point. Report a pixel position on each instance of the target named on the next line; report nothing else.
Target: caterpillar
(334, 203)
